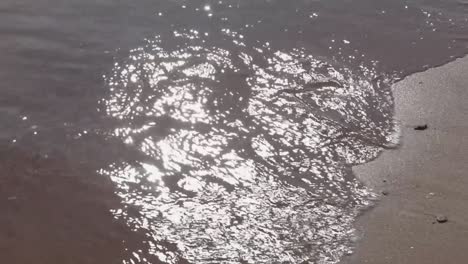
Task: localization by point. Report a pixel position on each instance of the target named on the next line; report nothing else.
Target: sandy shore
(427, 176)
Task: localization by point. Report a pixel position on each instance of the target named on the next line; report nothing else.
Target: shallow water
(202, 131)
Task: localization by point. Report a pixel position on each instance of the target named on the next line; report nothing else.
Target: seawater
(203, 131)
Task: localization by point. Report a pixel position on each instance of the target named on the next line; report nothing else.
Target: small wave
(248, 149)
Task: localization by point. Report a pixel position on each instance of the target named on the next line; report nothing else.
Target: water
(202, 131)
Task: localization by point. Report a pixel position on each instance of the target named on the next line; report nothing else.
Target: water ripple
(247, 149)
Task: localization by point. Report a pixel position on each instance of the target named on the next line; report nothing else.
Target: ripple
(247, 149)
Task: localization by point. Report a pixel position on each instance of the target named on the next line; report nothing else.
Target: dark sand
(426, 176)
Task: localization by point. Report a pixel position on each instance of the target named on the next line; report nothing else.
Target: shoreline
(426, 177)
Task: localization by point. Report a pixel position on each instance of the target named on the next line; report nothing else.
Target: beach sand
(425, 177)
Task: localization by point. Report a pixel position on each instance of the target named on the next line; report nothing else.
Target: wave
(247, 150)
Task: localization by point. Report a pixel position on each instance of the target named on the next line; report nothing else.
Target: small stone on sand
(441, 218)
(421, 127)
(384, 192)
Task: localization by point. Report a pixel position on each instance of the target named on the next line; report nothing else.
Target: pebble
(422, 127)
(384, 192)
(441, 218)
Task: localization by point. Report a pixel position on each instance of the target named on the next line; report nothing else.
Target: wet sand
(425, 177)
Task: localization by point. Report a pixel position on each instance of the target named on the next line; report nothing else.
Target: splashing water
(247, 150)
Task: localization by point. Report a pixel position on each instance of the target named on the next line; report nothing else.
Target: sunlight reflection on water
(248, 149)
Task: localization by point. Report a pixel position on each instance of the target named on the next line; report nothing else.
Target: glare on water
(247, 157)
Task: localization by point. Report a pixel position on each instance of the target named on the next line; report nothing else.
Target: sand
(427, 176)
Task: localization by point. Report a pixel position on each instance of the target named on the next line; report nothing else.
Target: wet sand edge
(423, 181)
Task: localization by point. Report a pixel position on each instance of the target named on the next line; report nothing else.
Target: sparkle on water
(238, 169)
